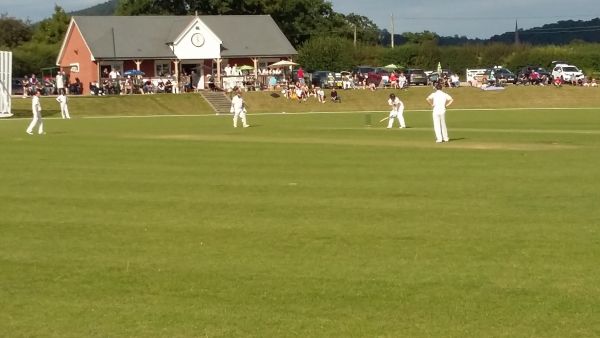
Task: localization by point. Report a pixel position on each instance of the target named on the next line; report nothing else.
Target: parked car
(371, 74)
(363, 70)
(567, 72)
(416, 76)
(323, 79)
(523, 74)
(433, 77)
(17, 87)
(502, 75)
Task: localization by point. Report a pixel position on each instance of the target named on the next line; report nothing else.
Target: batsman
(396, 112)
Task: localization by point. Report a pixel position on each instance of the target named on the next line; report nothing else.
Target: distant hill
(560, 33)
(107, 8)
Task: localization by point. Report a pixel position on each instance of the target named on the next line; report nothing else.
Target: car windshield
(570, 69)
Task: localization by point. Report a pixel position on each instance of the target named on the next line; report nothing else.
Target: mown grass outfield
(304, 225)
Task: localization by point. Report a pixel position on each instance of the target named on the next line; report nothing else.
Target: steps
(218, 101)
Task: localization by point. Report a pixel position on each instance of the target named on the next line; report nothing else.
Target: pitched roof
(134, 36)
(146, 36)
(249, 35)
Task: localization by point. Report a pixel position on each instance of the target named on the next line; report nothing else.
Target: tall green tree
(13, 32)
(53, 29)
(326, 53)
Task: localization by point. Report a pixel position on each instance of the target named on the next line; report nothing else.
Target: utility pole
(354, 35)
(392, 37)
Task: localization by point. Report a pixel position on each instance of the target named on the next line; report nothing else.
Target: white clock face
(197, 40)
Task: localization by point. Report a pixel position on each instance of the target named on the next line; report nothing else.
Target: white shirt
(396, 104)
(35, 104)
(237, 103)
(60, 82)
(439, 99)
(61, 99)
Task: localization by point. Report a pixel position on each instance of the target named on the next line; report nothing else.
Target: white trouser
(64, 111)
(239, 114)
(439, 126)
(37, 118)
(396, 114)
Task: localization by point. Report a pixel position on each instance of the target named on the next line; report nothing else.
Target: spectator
(334, 96)
(60, 83)
(454, 80)
(320, 95)
(25, 85)
(301, 75)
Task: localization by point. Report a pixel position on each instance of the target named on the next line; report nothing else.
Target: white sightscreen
(5, 82)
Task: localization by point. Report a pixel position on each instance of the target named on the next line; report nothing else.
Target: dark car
(523, 74)
(416, 76)
(434, 76)
(502, 75)
(323, 79)
(363, 70)
(370, 74)
(17, 87)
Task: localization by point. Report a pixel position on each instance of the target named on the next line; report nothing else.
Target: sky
(471, 18)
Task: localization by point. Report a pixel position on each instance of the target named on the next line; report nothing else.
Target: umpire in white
(439, 101)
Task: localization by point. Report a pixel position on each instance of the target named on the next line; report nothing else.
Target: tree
(420, 38)
(326, 53)
(13, 32)
(52, 30)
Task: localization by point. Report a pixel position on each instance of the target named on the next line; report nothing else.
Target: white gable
(197, 42)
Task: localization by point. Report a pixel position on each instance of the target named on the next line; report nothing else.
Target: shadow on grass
(27, 113)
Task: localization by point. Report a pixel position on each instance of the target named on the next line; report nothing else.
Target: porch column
(138, 63)
(176, 64)
(219, 60)
(177, 83)
(256, 82)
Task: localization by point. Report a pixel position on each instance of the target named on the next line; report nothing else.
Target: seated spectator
(96, 89)
(402, 83)
(534, 77)
(320, 95)
(334, 96)
(454, 80)
(168, 86)
(299, 93)
(148, 87)
(128, 85)
(394, 80)
(558, 81)
(160, 86)
(593, 83)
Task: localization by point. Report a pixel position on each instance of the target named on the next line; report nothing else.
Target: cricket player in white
(396, 112)
(238, 108)
(439, 101)
(64, 109)
(36, 109)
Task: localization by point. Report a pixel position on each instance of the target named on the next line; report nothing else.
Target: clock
(197, 40)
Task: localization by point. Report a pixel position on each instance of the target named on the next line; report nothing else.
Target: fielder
(439, 101)
(36, 109)
(396, 112)
(64, 109)
(238, 108)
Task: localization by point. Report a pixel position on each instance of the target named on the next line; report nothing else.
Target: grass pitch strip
(302, 225)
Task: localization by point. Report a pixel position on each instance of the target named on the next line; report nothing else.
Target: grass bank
(352, 100)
